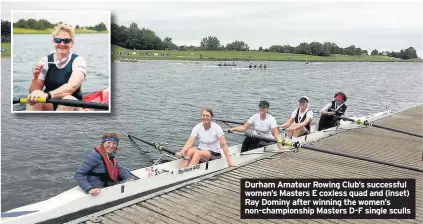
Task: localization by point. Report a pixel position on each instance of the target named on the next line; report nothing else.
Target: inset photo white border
(30, 47)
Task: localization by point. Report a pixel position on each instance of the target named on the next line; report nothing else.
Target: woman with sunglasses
(60, 74)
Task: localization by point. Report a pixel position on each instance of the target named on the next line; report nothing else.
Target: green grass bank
(7, 52)
(241, 55)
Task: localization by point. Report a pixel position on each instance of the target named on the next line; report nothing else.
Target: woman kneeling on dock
(100, 168)
(210, 137)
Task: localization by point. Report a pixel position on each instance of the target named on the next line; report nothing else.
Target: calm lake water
(29, 49)
(160, 101)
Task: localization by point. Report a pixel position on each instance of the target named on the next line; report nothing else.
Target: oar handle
(72, 103)
(282, 142)
(25, 100)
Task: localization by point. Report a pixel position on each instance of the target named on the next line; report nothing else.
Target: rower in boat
(220, 64)
(211, 139)
(100, 168)
(337, 107)
(61, 73)
(265, 66)
(250, 66)
(299, 122)
(264, 125)
(261, 65)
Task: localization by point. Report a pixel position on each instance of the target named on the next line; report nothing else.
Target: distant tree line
(133, 37)
(99, 27)
(42, 24)
(328, 48)
(408, 53)
(5, 31)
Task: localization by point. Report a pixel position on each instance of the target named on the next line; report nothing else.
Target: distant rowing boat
(75, 203)
(184, 62)
(226, 65)
(128, 60)
(252, 68)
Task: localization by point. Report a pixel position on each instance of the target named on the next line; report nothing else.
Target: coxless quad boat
(75, 203)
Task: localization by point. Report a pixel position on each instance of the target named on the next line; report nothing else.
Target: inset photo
(61, 62)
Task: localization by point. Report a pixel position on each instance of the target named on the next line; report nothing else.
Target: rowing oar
(231, 122)
(298, 145)
(237, 122)
(283, 142)
(72, 103)
(365, 122)
(157, 146)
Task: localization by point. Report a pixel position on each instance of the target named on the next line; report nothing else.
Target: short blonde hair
(64, 27)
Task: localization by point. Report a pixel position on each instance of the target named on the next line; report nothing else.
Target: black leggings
(253, 143)
(327, 122)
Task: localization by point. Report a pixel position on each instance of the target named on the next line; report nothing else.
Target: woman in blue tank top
(58, 75)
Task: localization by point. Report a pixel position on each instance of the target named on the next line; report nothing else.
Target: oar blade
(66, 102)
(155, 145)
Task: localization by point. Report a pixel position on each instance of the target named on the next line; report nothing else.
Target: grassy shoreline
(8, 52)
(241, 55)
(50, 31)
(234, 56)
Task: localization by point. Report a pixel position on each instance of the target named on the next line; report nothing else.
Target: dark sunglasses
(59, 40)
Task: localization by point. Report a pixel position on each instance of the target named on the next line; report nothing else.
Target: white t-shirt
(208, 139)
(79, 64)
(301, 114)
(263, 127)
